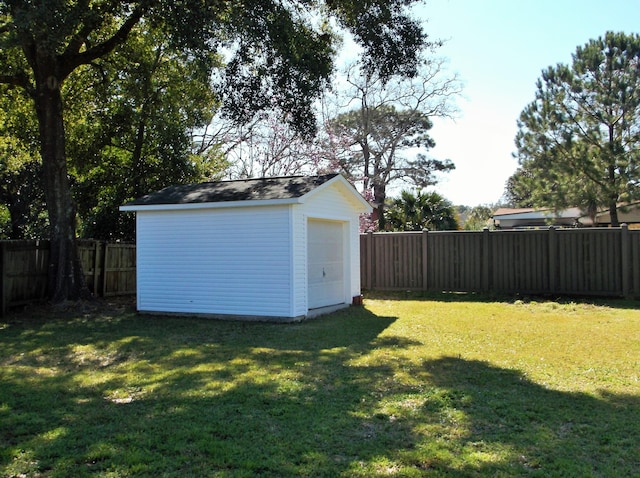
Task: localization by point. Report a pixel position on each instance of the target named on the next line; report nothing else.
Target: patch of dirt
(94, 307)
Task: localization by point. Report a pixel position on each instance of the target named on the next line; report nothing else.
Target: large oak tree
(278, 52)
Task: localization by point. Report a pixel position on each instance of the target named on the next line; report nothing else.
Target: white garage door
(325, 263)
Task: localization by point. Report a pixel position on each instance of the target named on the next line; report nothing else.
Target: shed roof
(288, 187)
(277, 190)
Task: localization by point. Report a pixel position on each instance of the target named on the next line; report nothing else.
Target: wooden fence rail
(110, 269)
(594, 262)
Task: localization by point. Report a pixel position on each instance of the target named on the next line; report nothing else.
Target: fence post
(425, 260)
(626, 268)
(486, 260)
(96, 268)
(552, 259)
(105, 261)
(3, 279)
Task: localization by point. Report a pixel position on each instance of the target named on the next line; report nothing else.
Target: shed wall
(223, 261)
(299, 265)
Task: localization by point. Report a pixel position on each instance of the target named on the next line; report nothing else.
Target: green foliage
(579, 141)
(21, 190)
(443, 385)
(382, 134)
(517, 192)
(148, 99)
(415, 212)
(5, 223)
(283, 55)
(128, 123)
(478, 217)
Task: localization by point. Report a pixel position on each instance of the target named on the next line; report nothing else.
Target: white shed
(275, 248)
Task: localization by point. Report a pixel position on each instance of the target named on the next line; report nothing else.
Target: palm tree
(415, 212)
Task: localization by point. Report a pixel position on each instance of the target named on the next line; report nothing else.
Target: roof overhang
(210, 205)
(345, 187)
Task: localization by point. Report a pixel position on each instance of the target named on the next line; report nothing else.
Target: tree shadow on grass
(128, 395)
(149, 396)
(542, 432)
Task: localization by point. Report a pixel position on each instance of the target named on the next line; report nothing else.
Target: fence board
(634, 266)
(120, 269)
(24, 270)
(598, 261)
(109, 270)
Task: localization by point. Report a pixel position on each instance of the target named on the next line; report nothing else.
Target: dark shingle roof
(289, 187)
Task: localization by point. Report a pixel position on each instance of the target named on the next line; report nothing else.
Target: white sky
(499, 48)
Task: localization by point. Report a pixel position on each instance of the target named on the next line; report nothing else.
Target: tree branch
(71, 59)
(6, 27)
(20, 79)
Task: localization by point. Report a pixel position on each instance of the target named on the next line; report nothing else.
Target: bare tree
(388, 123)
(271, 147)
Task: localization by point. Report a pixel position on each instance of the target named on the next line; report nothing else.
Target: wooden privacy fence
(109, 269)
(595, 261)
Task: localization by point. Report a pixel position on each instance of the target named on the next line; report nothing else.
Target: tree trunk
(379, 197)
(613, 214)
(18, 214)
(66, 279)
(613, 197)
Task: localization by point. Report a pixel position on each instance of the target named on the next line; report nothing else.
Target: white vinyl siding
(299, 255)
(233, 261)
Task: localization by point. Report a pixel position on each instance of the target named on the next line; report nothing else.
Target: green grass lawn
(438, 386)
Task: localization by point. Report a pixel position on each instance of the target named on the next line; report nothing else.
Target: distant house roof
(628, 213)
(504, 211)
(531, 217)
(277, 190)
(510, 218)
